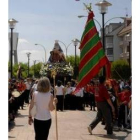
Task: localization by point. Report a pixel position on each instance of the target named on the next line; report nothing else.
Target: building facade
(126, 41)
(112, 41)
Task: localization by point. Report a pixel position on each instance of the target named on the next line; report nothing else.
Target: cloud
(22, 40)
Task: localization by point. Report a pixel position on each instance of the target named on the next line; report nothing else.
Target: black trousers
(41, 129)
(121, 116)
(91, 101)
(103, 111)
(60, 102)
(26, 92)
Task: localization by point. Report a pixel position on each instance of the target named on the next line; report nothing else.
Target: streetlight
(66, 47)
(28, 55)
(103, 7)
(75, 43)
(81, 16)
(12, 24)
(44, 50)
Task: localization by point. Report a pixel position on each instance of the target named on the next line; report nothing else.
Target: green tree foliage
(71, 59)
(35, 70)
(120, 70)
(24, 67)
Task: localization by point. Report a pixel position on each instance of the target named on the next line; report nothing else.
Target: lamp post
(103, 6)
(66, 47)
(75, 43)
(12, 23)
(81, 16)
(44, 50)
(28, 55)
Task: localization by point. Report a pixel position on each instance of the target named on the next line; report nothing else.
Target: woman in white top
(43, 100)
(59, 90)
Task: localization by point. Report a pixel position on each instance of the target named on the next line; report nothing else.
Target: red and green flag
(92, 55)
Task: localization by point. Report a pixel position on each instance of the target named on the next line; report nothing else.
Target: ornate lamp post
(103, 7)
(75, 43)
(12, 24)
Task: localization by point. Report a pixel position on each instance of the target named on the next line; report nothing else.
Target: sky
(44, 21)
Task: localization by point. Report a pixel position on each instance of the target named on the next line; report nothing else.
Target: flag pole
(53, 73)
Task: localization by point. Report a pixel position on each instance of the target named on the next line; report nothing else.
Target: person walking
(44, 101)
(27, 90)
(103, 101)
(59, 90)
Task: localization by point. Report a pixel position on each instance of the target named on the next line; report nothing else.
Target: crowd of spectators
(20, 93)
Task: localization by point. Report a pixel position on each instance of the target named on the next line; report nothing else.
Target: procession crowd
(20, 93)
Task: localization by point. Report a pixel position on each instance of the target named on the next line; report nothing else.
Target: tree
(71, 59)
(120, 70)
(35, 69)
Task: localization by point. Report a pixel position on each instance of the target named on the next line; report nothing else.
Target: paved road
(72, 125)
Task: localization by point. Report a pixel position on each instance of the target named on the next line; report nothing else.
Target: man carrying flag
(92, 59)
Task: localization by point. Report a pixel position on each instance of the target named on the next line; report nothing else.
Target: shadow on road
(11, 137)
(11, 126)
(114, 136)
(22, 116)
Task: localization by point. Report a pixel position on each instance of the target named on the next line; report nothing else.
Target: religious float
(57, 63)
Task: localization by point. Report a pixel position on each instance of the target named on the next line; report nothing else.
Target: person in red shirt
(103, 101)
(124, 99)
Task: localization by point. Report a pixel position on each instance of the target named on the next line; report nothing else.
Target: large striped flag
(92, 55)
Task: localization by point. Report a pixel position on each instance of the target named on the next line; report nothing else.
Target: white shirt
(28, 85)
(59, 90)
(69, 90)
(42, 101)
(80, 93)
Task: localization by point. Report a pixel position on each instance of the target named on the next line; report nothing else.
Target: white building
(112, 41)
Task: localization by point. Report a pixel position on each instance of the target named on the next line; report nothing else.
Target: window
(110, 51)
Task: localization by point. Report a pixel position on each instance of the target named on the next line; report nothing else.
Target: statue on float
(57, 55)
(57, 62)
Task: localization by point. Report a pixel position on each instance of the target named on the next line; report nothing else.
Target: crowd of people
(119, 93)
